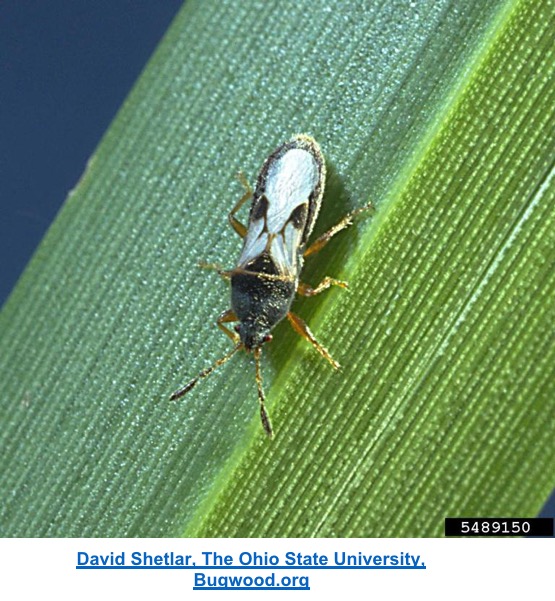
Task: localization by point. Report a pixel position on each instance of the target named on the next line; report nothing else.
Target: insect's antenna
(261, 398)
(205, 372)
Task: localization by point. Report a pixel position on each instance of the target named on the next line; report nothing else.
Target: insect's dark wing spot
(264, 263)
(259, 209)
(298, 216)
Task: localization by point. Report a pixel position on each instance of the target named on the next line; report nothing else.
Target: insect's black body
(259, 303)
(284, 208)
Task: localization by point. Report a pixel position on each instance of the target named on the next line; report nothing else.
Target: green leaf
(443, 116)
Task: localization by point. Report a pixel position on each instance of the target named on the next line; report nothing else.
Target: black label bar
(498, 526)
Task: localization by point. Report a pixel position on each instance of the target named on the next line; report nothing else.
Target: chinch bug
(284, 208)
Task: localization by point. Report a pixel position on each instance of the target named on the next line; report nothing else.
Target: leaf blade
(112, 311)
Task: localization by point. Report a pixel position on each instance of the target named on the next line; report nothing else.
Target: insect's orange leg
(227, 317)
(224, 273)
(235, 223)
(306, 290)
(320, 242)
(303, 330)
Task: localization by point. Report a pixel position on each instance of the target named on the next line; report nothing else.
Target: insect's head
(253, 334)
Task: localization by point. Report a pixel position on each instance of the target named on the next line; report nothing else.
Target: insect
(284, 208)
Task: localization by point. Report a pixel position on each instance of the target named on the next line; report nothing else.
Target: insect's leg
(306, 290)
(225, 273)
(266, 424)
(303, 330)
(275, 277)
(235, 223)
(320, 242)
(227, 317)
(205, 372)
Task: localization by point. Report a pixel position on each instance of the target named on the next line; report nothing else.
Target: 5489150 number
(498, 527)
(481, 527)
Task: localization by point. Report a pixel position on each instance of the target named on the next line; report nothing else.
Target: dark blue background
(65, 68)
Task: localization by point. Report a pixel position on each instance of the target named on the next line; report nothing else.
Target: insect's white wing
(284, 250)
(291, 180)
(255, 243)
